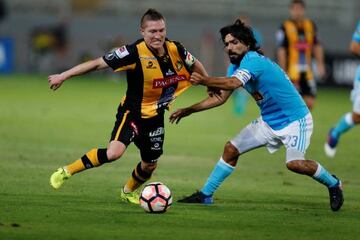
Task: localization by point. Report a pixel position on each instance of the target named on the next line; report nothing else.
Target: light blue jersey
(279, 102)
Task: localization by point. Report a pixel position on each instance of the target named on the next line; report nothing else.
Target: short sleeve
(243, 75)
(122, 58)
(185, 55)
(250, 68)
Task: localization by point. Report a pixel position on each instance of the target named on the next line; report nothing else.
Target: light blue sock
(324, 177)
(221, 171)
(343, 125)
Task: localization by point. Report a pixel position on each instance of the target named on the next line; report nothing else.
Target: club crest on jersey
(179, 65)
(167, 81)
(121, 52)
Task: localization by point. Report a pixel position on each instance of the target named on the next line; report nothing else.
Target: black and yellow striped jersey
(298, 39)
(153, 82)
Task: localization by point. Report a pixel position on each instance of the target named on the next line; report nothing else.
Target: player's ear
(142, 31)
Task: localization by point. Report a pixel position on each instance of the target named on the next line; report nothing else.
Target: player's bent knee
(112, 156)
(231, 154)
(115, 150)
(231, 150)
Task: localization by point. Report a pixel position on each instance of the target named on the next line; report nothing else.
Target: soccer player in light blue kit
(285, 118)
(348, 120)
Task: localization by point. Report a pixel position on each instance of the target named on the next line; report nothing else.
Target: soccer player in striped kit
(157, 71)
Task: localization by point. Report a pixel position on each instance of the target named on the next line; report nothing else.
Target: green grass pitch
(41, 130)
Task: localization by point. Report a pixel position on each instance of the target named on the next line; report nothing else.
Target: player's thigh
(251, 137)
(296, 138)
(151, 139)
(125, 127)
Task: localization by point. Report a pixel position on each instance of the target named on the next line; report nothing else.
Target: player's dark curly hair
(241, 32)
(152, 15)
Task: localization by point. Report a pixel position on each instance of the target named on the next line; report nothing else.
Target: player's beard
(235, 58)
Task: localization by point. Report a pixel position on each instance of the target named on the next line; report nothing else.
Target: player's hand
(179, 114)
(196, 78)
(55, 81)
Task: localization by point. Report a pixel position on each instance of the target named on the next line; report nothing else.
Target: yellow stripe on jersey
(121, 125)
(127, 67)
(151, 70)
(179, 67)
(155, 80)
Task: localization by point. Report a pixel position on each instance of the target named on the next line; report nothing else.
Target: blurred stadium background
(45, 36)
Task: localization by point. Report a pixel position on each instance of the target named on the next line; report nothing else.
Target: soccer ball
(155, 198)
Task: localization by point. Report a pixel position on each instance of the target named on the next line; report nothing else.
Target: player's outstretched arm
(209, 102)
(56, 80)
(199, 68)
(224, 83)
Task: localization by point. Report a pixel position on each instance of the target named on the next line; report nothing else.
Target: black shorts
(306, 87)
(147, 134)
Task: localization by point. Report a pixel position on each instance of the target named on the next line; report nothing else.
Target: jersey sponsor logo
(147, 58)
(157, 132)
(167, 81)
(302, 45)
(189, 59)
(156, 139)
(150, 65)
(167, 97)
(121, 52)
(169, 73)
(134, 127)
(156, 146)
(243, 75)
